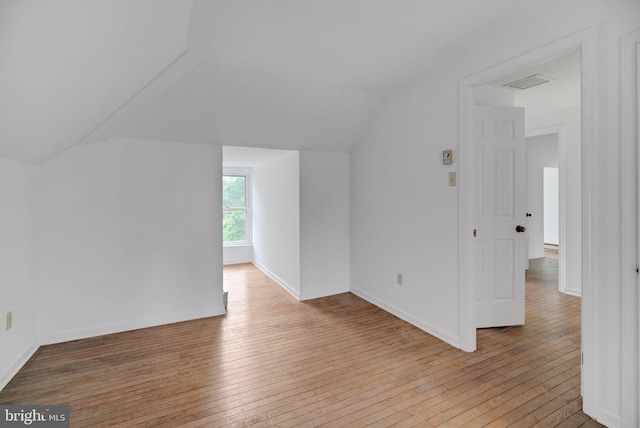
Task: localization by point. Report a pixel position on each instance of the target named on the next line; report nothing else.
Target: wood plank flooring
(332, 362)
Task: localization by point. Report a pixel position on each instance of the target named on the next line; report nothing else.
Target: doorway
(546, 206)
(552, 106)
(551, 208)
(269, 211)
(583, 41)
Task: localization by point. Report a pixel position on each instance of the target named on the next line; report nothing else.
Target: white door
(499, 205)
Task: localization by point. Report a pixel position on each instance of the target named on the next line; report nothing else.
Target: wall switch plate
(9, 320)
(452, 178)
(399, 279)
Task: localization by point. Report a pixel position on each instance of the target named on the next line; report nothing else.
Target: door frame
(630, 174)
(560, 131)
(585, 40)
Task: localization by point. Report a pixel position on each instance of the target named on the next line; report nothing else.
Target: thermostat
(447, 157)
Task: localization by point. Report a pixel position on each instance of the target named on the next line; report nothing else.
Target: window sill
(242, 244)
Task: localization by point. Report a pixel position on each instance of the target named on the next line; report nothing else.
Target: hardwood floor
(336, 362)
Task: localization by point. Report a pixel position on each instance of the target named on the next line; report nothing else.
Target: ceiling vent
(528, 82)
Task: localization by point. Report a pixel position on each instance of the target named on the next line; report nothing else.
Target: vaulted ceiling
(284, 74)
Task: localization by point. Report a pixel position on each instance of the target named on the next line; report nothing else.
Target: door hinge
(582, 359)
(637, 269)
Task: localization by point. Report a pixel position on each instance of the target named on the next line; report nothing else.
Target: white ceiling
(565, 68)
(562, 91)
(368, 44)
(285, 74)
(67, 65)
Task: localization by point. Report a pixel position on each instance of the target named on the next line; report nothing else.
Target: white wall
(551, 186)
(404, 217)
(491, 96)
(542, 151)
(234, 254)
(129, 236)
(403, 214)
(17, 266)
(276, 220)
(324, 224)
(323, 206)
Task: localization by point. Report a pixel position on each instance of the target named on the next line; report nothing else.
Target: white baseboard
(324, 293)
(608, 419)
(277, 279)
(133, 325)
(15, 367)
(236, 262)
(572, 292)
(421, 324)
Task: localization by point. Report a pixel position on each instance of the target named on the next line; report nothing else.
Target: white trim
(467, 310)
(324, 293)
(586, 40)
(281, 282)
(78, 334)
(608, 419)
(15, 367)
(572, 292)
(630, 352)
(562, 261)
(421, 324)
(589, 125)
(245, 172)
(236, 262)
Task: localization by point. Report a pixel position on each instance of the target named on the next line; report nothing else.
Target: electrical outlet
(399, 278)
(9, 320)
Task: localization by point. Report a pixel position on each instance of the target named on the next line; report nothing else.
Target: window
(236, 203)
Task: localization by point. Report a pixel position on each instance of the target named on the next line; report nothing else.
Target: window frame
(246, 173)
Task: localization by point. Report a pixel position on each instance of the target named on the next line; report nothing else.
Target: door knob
(520, 229)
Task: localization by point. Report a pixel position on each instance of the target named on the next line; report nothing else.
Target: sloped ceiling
(230, 106)
(66, 65)
(284, 74)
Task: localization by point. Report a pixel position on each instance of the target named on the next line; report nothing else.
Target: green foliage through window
(234, 226)
(234, 191)
(234, 204)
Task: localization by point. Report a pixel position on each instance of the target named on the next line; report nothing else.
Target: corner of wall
(17, 266)
(18, 364)
(281, 282)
